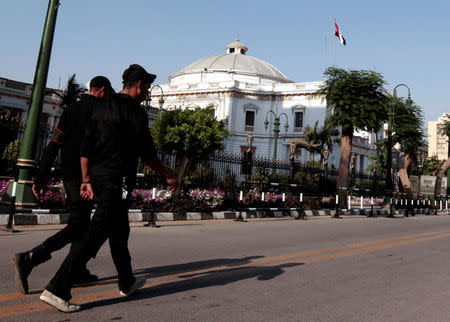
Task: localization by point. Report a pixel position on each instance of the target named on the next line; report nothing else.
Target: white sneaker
(59, 303)
(138, 283)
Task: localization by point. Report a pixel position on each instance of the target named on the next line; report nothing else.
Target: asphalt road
(321, 269)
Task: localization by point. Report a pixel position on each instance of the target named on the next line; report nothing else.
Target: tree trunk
(189, 166)
(182, 168)
(344, 163)
(441, 174)
(403, 174)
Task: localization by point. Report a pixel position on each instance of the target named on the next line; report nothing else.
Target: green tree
(408, 132)
(190, 134)
(432, 165)
(444, 130)
(9, 157)
(358, 101)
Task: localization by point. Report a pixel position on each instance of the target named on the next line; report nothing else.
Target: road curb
(137, 215)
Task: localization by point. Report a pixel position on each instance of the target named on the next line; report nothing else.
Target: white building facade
(15, 101)
(245, 92)
(437, 142)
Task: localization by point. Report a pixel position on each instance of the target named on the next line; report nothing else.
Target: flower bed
(215, 199)
(367, 202)
(54, 196)
(3, 187)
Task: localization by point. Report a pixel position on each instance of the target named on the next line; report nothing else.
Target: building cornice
(27, 98)
(236, 92)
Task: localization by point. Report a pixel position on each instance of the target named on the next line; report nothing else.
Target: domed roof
(236, 60)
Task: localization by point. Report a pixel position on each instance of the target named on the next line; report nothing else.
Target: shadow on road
(153, 272)
(196, 280)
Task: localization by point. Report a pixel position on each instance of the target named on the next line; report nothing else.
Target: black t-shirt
(116, 136)
(67, 137)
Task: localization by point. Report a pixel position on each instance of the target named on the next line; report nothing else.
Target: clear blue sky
(406, 41)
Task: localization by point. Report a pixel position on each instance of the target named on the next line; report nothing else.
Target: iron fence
(220, 169)
(11, 135)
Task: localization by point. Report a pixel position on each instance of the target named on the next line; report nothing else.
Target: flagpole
(325, 57)
(334, 48)
(334, 53)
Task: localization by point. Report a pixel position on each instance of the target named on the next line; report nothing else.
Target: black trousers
(75, 230)
(110, 221)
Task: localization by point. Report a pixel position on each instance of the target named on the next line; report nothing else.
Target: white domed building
(244, 90)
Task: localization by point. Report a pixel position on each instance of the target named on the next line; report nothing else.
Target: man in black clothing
(109, 170)
(67, 137)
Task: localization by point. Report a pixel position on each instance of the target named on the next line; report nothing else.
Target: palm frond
(71, 93)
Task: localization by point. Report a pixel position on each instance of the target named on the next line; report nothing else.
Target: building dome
(235, 61)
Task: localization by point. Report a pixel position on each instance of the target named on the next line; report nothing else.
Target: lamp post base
(25, 198)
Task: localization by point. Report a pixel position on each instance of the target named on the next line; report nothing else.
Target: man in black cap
(67, 137)
(109, 171)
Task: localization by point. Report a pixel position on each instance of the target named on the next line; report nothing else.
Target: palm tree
(311, 142)
(358, 101)
(408, 132)
(71, 93)
(444, 130)
(328, 136)
(317, 139)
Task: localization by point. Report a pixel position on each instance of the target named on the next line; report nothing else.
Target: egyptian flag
(339, 35)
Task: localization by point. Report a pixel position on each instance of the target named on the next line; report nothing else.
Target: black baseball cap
(136, 73)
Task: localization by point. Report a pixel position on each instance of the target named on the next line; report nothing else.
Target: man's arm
(148, 152)
(50, 154)
(159, 167)
(86, 191)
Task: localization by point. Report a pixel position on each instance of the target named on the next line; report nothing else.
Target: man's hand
(86, 191)
(38, 193)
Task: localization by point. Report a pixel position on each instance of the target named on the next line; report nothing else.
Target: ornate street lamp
(292, 148)
(353, 167)
(276, 130)
(250, 139)
(247, 158)
(391, 115)
(325, 154)
(148, 99)
(422, 162)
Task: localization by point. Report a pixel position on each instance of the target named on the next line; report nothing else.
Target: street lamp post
(325, 154)
(292, 148)
(391, 115)
(26, 161)
(276, 130)
(161, 100)
(422, 164)
(248, 156)
(250, 139)
(148, 99)
(353, 168)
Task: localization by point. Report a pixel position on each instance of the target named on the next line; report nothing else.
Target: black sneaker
(85, 277)
(22, 265)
